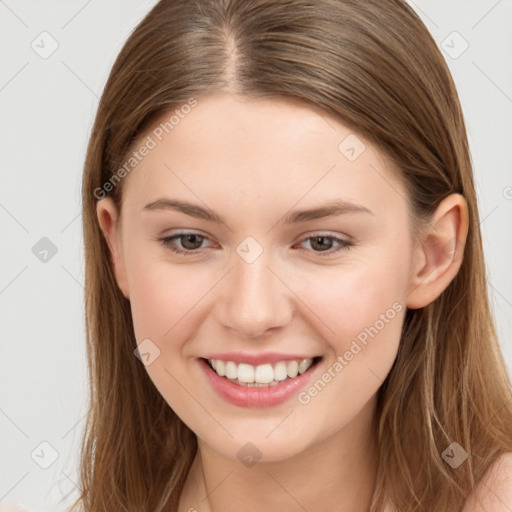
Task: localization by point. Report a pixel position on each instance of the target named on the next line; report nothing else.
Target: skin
(494, 492)
(252, 162)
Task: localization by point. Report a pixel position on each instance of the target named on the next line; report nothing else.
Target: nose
(254, 299)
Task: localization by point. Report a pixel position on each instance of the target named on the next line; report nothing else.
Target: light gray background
(47, 109)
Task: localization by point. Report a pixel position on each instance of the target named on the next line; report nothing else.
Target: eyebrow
(329, 209)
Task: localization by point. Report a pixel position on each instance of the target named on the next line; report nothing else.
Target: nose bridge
(255, 299)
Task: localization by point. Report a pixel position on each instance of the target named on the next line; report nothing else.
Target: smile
(262, 375)
(264, 385)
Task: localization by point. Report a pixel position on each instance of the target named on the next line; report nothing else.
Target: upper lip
(257, 359)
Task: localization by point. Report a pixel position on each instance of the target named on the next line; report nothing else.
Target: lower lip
(244, 396)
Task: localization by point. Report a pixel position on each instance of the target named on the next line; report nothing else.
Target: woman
(286, 294)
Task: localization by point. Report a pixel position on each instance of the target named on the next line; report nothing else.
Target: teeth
(261, 375)
(245, 373)
(304, 365)
(292, 369)
(220, 367)
(264, 374)
(231, 370)
(280, 371)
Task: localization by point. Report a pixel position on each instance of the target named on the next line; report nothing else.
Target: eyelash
(167, 243)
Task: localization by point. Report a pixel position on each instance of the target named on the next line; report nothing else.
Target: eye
(190, 242)
(323, 243)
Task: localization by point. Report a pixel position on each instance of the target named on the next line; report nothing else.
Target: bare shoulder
(494, 492)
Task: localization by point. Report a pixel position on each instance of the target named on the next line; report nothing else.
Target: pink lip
(256, 359)
(244, 396)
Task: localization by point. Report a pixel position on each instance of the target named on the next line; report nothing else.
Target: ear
(439, 252)
(109, 221)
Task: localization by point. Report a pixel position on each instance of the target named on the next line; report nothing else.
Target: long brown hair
(374, 66)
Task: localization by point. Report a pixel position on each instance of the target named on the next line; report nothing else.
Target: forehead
(264, 149)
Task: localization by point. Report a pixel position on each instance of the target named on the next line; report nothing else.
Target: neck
(336, 473)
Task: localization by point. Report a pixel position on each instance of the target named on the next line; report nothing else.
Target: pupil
(322, 241)
(190, 238)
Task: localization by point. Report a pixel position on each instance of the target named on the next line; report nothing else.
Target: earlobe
(108, 220)
(439, 253)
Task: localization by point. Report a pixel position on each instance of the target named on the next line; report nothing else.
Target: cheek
(160, 292)
(166, 304)
(360, 312)
(160, 296)
(348, 300)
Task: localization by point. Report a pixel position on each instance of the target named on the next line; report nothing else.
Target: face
(264, 284)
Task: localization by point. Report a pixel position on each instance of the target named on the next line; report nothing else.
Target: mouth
(248, 386)
(263, 375)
